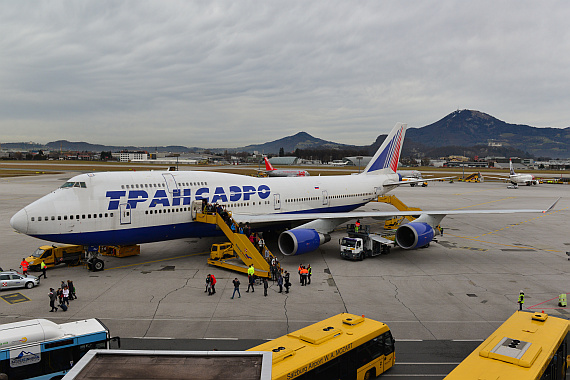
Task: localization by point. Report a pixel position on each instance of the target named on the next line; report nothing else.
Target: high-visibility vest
(250, 271)
(521, 298)
(42, 265)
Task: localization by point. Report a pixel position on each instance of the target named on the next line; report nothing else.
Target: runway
(460, 288)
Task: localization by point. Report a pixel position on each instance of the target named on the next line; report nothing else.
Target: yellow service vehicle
(52, 255)
(222, 251)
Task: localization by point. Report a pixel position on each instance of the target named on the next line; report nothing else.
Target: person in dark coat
(265, 286)
(287, 283)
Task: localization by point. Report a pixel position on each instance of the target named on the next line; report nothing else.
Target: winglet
(268, 166)
(551, 207)
(388, 155)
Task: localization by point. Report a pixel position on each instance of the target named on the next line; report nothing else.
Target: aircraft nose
(19, 221)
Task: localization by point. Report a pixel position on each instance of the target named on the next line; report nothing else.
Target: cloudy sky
(232, 73)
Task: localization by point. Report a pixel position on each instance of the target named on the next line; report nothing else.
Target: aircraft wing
(416, 180)
(332, 219)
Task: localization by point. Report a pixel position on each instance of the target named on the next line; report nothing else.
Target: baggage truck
(53, 255)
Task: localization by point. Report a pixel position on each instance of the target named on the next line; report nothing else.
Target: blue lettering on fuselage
(184, 196)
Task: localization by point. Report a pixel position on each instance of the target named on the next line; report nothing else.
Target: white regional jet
(123, 208)
(518, 179)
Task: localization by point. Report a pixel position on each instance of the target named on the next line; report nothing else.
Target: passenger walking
(265, 286)
(71, 287)
(236, 288)
(24, 265)
(260, 244)
(52, 298)
(309, 272)
(65, 292)
(287, 282)
(213, 278)
(208, 285)
(43, 268)
(521, 300)
(280, 283)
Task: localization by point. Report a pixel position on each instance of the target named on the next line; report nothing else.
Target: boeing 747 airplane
(123, 208)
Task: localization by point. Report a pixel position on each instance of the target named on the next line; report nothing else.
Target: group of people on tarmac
(210, 284)
(64, 294)
(305, 274)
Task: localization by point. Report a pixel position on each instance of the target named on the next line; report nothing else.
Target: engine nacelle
(414, 235)
(301, 240)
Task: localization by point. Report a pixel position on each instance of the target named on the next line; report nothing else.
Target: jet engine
(301, 240)
(414, 235)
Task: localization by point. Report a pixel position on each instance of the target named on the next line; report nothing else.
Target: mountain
(468, 128)
(301, 140)
(454, 133)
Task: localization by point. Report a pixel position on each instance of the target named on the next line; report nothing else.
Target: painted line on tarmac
(222, 338)
(158, 261)
(489, 242)
(467, 340)
(484, 203)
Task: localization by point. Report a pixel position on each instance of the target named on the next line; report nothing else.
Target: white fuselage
(121, 208)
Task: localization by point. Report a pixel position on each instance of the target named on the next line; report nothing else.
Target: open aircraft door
(377, 191)
(125, 213)
(277, 201)
(325, 198)
(170, 182)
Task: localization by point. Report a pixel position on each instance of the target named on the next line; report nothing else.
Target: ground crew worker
(24, 265)
(213, 284)
(357, 225)
(251, 278)
(304, 275)
(43, 267)
(300, 275)
(309, 272)
(521, 300)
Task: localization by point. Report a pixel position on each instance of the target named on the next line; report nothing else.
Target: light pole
(359, 158)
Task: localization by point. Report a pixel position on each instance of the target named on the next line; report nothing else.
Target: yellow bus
(345, 346)
(527, 346)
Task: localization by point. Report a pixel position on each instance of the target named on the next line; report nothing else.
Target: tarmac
(460, 288)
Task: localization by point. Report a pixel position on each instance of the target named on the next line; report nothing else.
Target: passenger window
(65, 217)
(39, 218)
(146, 212)
(53, 217)
(82, 216)
(94, 216)
(59, 217)
(106, 215)
(77, 216)
(32, 219)
(46, 218)
(88, 216)
(100, 215)
(111, 215)
(122, 186)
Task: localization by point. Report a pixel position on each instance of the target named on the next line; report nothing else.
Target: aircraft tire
(98, 265)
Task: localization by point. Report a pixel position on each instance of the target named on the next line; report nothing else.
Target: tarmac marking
(488, 242)
(15, 298)
(475, 191)
(223, 338)
(551, 308)
(158, 261)
(484, 203)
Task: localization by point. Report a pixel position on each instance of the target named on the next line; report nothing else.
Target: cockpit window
(74, 184)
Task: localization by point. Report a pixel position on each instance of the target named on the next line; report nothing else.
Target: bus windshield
(348, 242)
(39, 252)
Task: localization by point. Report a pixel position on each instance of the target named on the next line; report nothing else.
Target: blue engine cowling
(414, 235)
(301, 240)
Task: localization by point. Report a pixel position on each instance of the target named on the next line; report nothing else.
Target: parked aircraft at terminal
(123, 208)
(272, 172)
(518, 179)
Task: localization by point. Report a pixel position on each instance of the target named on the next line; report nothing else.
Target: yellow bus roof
(304, 349)
(519, 349)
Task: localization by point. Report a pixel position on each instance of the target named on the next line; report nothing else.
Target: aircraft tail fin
(268, 165)
(388, 155)
(512, 170)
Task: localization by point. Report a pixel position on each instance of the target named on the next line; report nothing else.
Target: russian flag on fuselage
(388, 155)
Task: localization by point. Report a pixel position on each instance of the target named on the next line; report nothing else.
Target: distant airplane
(338, 163)
(411, 175)
(518, 179)
(124, 208)
(272, 172)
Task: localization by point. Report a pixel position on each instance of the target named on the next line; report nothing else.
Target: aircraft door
(377, 191)
(125, 213)
(277, 202)
(325, 198)
(170, 182)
